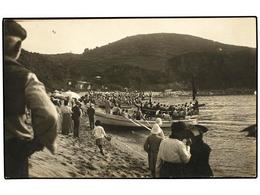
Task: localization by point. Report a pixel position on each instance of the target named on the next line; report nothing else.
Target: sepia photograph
(130, 97)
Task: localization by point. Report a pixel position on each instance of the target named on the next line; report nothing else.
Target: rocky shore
(80, 158)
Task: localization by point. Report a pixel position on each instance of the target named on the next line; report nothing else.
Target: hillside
(152, 61)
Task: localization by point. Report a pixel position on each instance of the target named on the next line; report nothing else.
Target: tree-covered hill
(151, 61)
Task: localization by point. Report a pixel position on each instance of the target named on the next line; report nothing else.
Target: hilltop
(151, 61)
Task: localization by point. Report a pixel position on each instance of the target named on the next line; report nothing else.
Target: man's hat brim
(201, 128)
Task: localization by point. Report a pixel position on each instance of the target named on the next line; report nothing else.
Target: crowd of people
(168, 112)
(115, 98)
(33, 119)
(70, 111)
(121, 103)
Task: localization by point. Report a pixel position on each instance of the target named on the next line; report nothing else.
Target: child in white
(99, 134)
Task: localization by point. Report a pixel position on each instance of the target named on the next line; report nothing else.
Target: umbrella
(71, 94)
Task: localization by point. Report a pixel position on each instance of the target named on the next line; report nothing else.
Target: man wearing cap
(24, 97)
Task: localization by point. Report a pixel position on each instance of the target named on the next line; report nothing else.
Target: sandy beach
(80, 158)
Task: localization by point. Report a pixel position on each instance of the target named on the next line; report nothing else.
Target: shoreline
(80, 158)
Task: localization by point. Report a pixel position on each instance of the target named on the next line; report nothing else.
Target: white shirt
(99, 132)
(173, 151)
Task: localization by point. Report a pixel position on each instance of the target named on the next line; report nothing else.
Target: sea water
(233, 154)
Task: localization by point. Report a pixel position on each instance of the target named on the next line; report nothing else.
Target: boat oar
(138, 124)
(133, 122)
(143, 125)
(147, 122)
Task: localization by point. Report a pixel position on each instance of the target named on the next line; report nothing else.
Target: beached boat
(127, 123)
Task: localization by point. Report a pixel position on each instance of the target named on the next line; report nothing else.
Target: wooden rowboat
(127, 123)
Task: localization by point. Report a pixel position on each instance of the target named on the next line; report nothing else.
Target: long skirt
(152, 158)
(171, 170)
(66, 123)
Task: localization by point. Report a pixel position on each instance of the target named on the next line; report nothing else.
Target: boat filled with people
(137, 110)
(127, 122)
(134, 110)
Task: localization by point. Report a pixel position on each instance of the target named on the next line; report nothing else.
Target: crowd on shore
(32, 120)
(136, 105)
(183, 154)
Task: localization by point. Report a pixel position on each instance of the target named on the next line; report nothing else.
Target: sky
(74, 35)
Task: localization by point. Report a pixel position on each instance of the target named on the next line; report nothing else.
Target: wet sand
(80, 158)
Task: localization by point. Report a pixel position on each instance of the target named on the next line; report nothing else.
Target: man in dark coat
(91, 114)
(30, 118)
(76, 113)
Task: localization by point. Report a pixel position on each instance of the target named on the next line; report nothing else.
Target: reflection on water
(233, 154)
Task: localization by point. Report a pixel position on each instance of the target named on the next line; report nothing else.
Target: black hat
(201, 128)
(179, 130)
(98, 123)
(198, 129)
(178, 126)
(12, 28)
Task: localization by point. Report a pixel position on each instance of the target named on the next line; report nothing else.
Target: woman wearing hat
(173, 153)
(151, 146)
(198, 165)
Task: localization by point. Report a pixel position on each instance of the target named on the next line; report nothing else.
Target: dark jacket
(76, 112)
(91, 112)
(28, 112)
(15, 78)
(198, 165)
(30, 118)
(151, 146)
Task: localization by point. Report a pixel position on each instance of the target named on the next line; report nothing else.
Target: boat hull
(126, 123)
